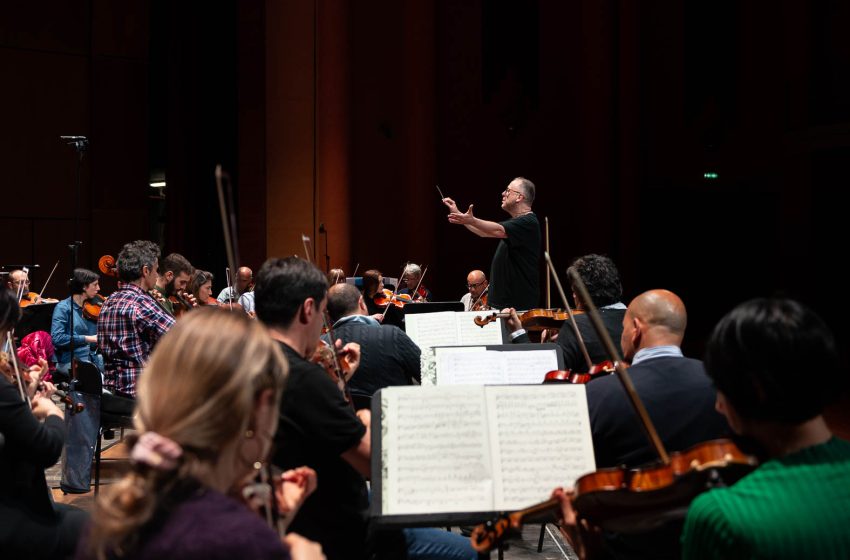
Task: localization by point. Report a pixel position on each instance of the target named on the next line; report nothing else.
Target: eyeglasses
(510, 190)
(470, 286)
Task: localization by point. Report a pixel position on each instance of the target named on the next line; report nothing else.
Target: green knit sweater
(797, 506)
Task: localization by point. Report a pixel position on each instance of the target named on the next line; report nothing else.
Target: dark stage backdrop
(348, 113)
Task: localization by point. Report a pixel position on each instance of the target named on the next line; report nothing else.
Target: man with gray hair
(514, 272)
(131, 322)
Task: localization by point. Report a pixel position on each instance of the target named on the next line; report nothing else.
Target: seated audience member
(476, 296)
(31, 525)
(796, 504)
(600, 276)
(318, 428)
(131, 321)
(387, 355)
(190, 462)
(84, 284)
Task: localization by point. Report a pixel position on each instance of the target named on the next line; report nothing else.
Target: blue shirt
(60, 332)
(668, 351)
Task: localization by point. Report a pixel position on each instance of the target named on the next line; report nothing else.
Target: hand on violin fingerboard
(513, 321)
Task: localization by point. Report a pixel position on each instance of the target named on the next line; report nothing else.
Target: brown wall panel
(52, 25)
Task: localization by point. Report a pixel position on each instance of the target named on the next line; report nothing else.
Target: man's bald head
(654, 318)
(344, 300)
(476, 283)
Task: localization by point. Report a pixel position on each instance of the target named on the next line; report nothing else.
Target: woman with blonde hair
(208, 404)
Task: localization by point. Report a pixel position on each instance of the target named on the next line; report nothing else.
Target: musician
(411, 279)
(175, 271)
(318, 428)
(198, 439)
(31, 526)
(131, 322)
(796, 504)
(514, 273)
(336, 276)
(373, 283)
(200, 286)
(19, 282)
(388, 356)
(84, 284)
(599, 274)
(678, 396)
(241, 291)
(477, 286)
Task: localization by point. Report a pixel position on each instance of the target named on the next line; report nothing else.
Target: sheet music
(470, 333)
(529, 366)
(541, 440)
(436, 451)
(450, 328)
(471, 368)
(494, 367)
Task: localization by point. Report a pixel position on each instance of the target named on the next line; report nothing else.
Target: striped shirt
(129, 325)
(797, 506)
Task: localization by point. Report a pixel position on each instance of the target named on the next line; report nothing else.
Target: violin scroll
(107, 266)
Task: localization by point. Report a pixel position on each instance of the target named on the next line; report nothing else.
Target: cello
(630, 500)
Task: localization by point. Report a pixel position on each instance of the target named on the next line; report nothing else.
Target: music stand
(35, 317)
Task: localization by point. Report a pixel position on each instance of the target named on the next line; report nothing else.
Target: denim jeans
(437, 544)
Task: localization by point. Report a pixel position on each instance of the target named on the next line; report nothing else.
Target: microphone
(73, 138)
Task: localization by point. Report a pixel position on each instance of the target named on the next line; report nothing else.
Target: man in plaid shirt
(131, 321)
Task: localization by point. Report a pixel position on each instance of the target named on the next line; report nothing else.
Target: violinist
(201, 439)
(131, 322)
(475, 299)
(373, 283)
(19, 282)
(200, 286)
(31, 525)
(336, 276)
(175, 271)
(319, 428)
(679, 398)
(389, 356)
(797, 503)
(411, 281)
(241, 291)
(600, 275)
(514, 273)
(84, 285)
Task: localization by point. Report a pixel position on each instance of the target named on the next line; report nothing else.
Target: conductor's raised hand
(451, 205)
(462, 217)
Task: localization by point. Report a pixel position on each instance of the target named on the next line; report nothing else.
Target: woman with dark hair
(796, 504)
(84, 284)
(31, 526)
(200, 286)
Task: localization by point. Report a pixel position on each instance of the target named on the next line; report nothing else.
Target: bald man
(676, 392)
(240, 292)
(477, 285)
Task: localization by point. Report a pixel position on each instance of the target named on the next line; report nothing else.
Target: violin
(27, 299)
(532, 320)
(20, 376)
(106, 265)
(182, 302)
(480, 304)
(567, 376)
(385, 298)
(92, 306)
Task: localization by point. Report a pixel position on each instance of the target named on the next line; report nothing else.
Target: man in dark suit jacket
(677, 394)
(388, 356)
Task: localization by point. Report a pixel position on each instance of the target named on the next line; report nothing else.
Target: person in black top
(31, 526)
(388, 356)
(514, 276)
(600, 276)
(318, 428)
(373, 283)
